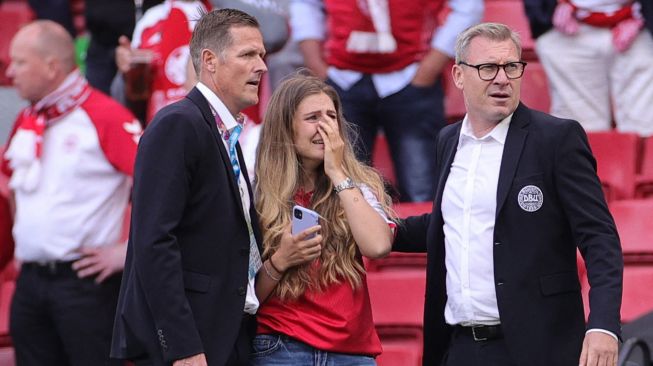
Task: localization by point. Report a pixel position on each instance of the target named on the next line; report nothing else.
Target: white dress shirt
(469, 204)
(251, 301)
(307, 20)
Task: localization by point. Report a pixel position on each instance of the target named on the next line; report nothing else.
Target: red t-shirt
(338, 319)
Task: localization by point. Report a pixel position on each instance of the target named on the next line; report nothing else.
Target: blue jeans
(410, 119)
(280, 350)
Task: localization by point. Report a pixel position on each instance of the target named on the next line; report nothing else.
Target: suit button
(242, 291)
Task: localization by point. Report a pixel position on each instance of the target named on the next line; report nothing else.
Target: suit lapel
(196, 97)
(512, 153)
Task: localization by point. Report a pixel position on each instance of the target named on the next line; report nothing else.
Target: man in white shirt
(517, 193)
(187, 296)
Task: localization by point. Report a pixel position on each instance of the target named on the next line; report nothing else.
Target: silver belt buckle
(475, 337)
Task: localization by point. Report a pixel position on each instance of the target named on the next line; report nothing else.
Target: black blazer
(185, 279)
(536, 281)
(540, 15)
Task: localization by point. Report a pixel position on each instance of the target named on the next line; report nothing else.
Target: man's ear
(209, 60)
(457, 74)
(52, 66)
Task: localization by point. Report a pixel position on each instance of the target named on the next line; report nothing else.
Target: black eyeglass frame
(503, 66)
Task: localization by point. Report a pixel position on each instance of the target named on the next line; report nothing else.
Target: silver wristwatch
(345, 184)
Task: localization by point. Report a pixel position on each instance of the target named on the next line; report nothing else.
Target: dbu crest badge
(530, 198)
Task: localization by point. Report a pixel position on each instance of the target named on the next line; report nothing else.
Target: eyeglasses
(487, 72)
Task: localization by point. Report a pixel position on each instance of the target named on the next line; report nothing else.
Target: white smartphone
(303, 218)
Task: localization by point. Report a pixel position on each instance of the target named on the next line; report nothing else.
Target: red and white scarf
(26, 146)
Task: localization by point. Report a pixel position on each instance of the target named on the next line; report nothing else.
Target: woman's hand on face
(298, 249)
(334, 148)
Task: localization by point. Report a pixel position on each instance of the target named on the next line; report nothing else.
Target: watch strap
(345, 184)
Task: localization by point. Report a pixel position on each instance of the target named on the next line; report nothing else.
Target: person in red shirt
(315, 302)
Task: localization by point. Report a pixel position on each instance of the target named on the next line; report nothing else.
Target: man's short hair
(212, 31)
(493, 31)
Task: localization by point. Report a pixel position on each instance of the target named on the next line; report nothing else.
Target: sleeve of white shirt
(307, 20)
(603, 331)
(464, 14)
(370, 197)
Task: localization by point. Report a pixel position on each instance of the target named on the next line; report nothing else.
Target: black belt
(51, 268)
(481, 332)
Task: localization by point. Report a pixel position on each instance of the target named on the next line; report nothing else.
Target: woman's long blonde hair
(279, 172)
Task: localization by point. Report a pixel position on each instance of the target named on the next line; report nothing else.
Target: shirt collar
(217, 107)
(498, 133)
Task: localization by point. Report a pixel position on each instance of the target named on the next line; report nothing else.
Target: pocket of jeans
(265, 344)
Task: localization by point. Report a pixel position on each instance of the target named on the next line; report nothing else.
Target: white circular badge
(530, 198)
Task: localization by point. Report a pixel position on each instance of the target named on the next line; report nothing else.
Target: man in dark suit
(517, 193)
(187, 296)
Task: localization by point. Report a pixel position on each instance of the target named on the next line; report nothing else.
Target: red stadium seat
(7, 285)
(616, 157)
(454, 104)
(634, 219)
(13, 14)
(637, 294)
(396, 261)
(535, 87)
(6, 239)
(400, 351)
(6, 222)
(511, 13)
(405, 209)
(397, 307)
(397, 298)
(644, 180)
(7, 356)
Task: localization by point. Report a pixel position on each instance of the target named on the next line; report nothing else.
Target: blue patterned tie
(232, 139)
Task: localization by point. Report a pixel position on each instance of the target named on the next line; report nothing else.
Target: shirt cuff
(603, 331)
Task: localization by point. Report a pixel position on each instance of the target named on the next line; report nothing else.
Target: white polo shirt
(85, 181)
